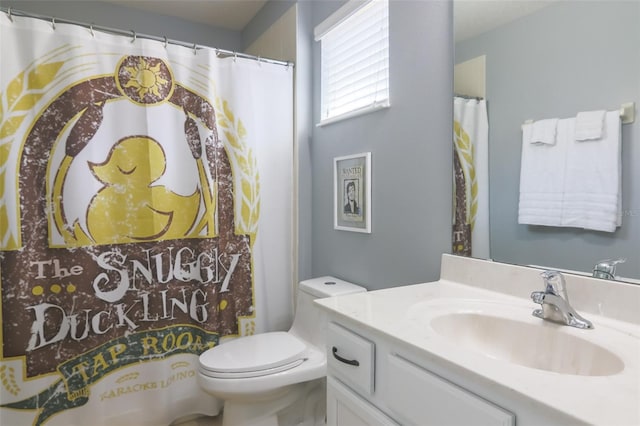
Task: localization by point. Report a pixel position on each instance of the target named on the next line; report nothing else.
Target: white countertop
(398, 313)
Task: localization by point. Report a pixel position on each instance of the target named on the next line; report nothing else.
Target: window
(355, 60)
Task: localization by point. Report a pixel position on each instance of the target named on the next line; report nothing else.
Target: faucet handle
(554, 283)
(607, 268)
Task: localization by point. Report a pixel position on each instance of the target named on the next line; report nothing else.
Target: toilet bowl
(276, 378)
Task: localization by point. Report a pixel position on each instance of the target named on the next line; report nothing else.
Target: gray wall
(410, 145)
(304, 130)
(266, 16)
(126, 18)
(570, 57)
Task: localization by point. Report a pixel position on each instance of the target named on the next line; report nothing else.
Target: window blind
(355, 62)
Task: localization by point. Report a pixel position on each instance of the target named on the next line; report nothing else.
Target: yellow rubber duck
(128, 208)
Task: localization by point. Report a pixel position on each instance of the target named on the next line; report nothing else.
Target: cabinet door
(346, 408)
(418, 397)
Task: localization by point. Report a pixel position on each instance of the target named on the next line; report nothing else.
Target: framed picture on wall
(352, 193)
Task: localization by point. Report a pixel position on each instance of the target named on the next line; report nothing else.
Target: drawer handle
(353, 362)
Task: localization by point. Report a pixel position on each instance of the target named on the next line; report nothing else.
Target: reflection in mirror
(560, 59)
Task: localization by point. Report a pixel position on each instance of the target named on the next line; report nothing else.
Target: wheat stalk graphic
(249, 196)
(20, 96)
(7, 375)
(465, 149)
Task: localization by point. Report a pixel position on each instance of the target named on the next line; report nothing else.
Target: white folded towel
(592, 186)
(589, 125)
(544, 131)
(573, 184)
(542, 178)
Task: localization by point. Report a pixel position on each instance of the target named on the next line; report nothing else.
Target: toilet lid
(267, 352)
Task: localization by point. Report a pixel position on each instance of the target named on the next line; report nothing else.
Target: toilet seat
(253, 356)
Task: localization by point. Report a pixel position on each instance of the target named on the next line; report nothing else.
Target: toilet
(276, 378)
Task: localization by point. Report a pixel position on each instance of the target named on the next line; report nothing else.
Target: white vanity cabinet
(372, 382)
(465, 350)
(351, 381)
(346, 408)
(417, 396)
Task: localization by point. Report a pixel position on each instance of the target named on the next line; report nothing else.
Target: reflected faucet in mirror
(606, 269)
(555, 302)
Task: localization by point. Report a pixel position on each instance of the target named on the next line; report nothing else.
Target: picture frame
(352, 193)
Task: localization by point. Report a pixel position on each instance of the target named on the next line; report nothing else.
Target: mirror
(554, 61)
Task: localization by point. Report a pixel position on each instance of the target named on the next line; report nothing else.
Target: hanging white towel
(592, 196)
(589, 125)
(544, 131)
(542, 178)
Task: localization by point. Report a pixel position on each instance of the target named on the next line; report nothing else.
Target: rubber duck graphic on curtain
(470, 230)
(146, 192)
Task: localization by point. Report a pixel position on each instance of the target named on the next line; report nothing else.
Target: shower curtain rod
(219, 52)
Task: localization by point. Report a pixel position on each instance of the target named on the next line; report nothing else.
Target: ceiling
(471, 17)
(228, 14)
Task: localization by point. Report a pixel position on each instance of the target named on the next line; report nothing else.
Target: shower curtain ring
(53, 23)
(91, 30)
(235, 56)
(259, 61)
(9, 15)
(217, 52)
(166, 42)
(133, 40)
(195, 48)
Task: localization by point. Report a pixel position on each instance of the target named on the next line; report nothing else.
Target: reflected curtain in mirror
(470, 231)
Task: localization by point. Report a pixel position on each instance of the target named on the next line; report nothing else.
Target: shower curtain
(146, 199)
(470, 231)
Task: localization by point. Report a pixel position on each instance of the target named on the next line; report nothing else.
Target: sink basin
(540, 345)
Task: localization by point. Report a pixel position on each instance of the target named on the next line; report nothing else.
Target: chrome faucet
(606, 269)
(555, 302)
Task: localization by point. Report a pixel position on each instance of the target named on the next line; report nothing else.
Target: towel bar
(627, 113)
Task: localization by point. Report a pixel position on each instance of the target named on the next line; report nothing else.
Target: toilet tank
(328, 287)
(309, 321)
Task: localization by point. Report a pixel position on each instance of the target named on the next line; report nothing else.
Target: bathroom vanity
(467, 350)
